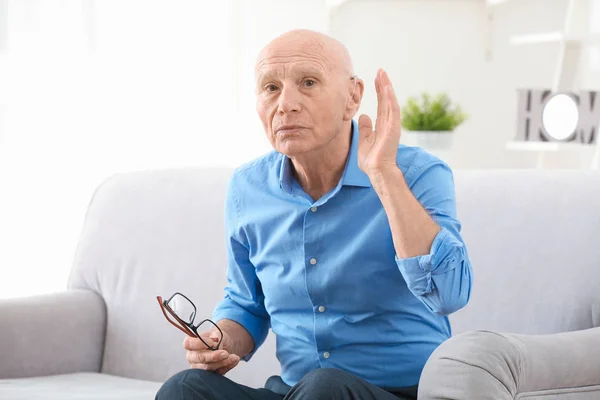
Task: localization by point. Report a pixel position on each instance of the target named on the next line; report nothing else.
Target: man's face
(302, 99)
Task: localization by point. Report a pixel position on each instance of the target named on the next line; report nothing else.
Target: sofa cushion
(81, 386)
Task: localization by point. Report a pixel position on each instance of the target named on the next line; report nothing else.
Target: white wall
(591, 62)
(440, 45)
(146, 92)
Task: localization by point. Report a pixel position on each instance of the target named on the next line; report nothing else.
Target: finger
(211, 337)
(379, 89)
(393, 108)
(394, 105)
(193, 343)
(385, 79)
(224, 370)
(365, 127)
(386, 82)
(215, 366)
(383, 117)
(214, 338)
(205, 356)
(214, 356)
(392, 112)
(378, 86)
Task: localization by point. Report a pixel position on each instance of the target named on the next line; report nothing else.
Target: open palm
(377, 148)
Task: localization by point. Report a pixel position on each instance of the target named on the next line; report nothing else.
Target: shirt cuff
(417, 270)
(256, 326)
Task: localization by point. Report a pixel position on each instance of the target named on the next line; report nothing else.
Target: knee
(325, 381)
(188, 384)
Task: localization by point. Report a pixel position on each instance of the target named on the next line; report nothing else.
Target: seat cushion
(80, 386)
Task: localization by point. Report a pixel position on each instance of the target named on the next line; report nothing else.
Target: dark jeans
(320, 384)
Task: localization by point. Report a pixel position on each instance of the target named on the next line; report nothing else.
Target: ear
(354, 99)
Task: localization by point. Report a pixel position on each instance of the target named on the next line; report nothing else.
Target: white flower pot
(428, 140)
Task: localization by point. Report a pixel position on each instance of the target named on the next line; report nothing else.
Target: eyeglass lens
(183, 307)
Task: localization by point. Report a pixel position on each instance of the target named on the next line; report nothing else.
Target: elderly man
(343, 242)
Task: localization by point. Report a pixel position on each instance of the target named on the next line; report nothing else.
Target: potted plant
(431, 120)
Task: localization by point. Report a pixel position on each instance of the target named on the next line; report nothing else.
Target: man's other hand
(199, 356)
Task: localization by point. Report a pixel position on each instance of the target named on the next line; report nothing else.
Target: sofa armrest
(52, 334)
(486, 365)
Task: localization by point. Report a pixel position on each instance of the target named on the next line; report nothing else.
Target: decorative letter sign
(579, 123)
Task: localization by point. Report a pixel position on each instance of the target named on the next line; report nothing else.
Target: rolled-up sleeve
(441, 279)
(244, 300)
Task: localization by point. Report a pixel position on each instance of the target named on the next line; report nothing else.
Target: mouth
(288, 129)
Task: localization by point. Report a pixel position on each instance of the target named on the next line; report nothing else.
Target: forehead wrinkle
(280, 66)
(292, 63)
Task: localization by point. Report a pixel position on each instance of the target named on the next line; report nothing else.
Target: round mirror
(560, 116)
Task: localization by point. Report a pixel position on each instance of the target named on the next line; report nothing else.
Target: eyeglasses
(183, 315)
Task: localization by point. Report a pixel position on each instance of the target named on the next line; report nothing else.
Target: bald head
(310, 44)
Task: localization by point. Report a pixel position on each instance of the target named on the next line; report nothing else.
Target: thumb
(216, 336)
(365, 127)
(210, 336)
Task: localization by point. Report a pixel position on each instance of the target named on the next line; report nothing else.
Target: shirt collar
(352, 176)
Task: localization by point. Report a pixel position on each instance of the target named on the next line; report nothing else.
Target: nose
(289, 100)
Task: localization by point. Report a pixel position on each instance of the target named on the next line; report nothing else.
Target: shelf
(547, 37)
(546, 146)
(553, 37)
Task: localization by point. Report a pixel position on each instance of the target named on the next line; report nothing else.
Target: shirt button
(313, 261)
(326, 354)
(321, 309)
(313, 209)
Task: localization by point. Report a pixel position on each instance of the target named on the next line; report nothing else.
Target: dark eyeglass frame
(188, 328)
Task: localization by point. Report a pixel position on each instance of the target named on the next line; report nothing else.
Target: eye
(309, 82)
(270, 88)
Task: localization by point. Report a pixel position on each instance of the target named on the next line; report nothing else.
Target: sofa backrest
(534, 241)
(531, 235)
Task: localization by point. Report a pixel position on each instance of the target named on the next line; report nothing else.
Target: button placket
(313, 246)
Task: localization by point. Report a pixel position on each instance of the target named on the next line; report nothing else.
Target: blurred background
(89, 88)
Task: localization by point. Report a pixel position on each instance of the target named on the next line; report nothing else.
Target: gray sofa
(532, 236)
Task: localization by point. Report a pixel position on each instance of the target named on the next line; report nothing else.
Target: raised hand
(377, 148)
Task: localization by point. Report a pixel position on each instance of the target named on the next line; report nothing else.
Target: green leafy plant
(432, 113)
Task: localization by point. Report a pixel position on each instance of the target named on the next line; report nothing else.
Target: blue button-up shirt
(324, 275)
